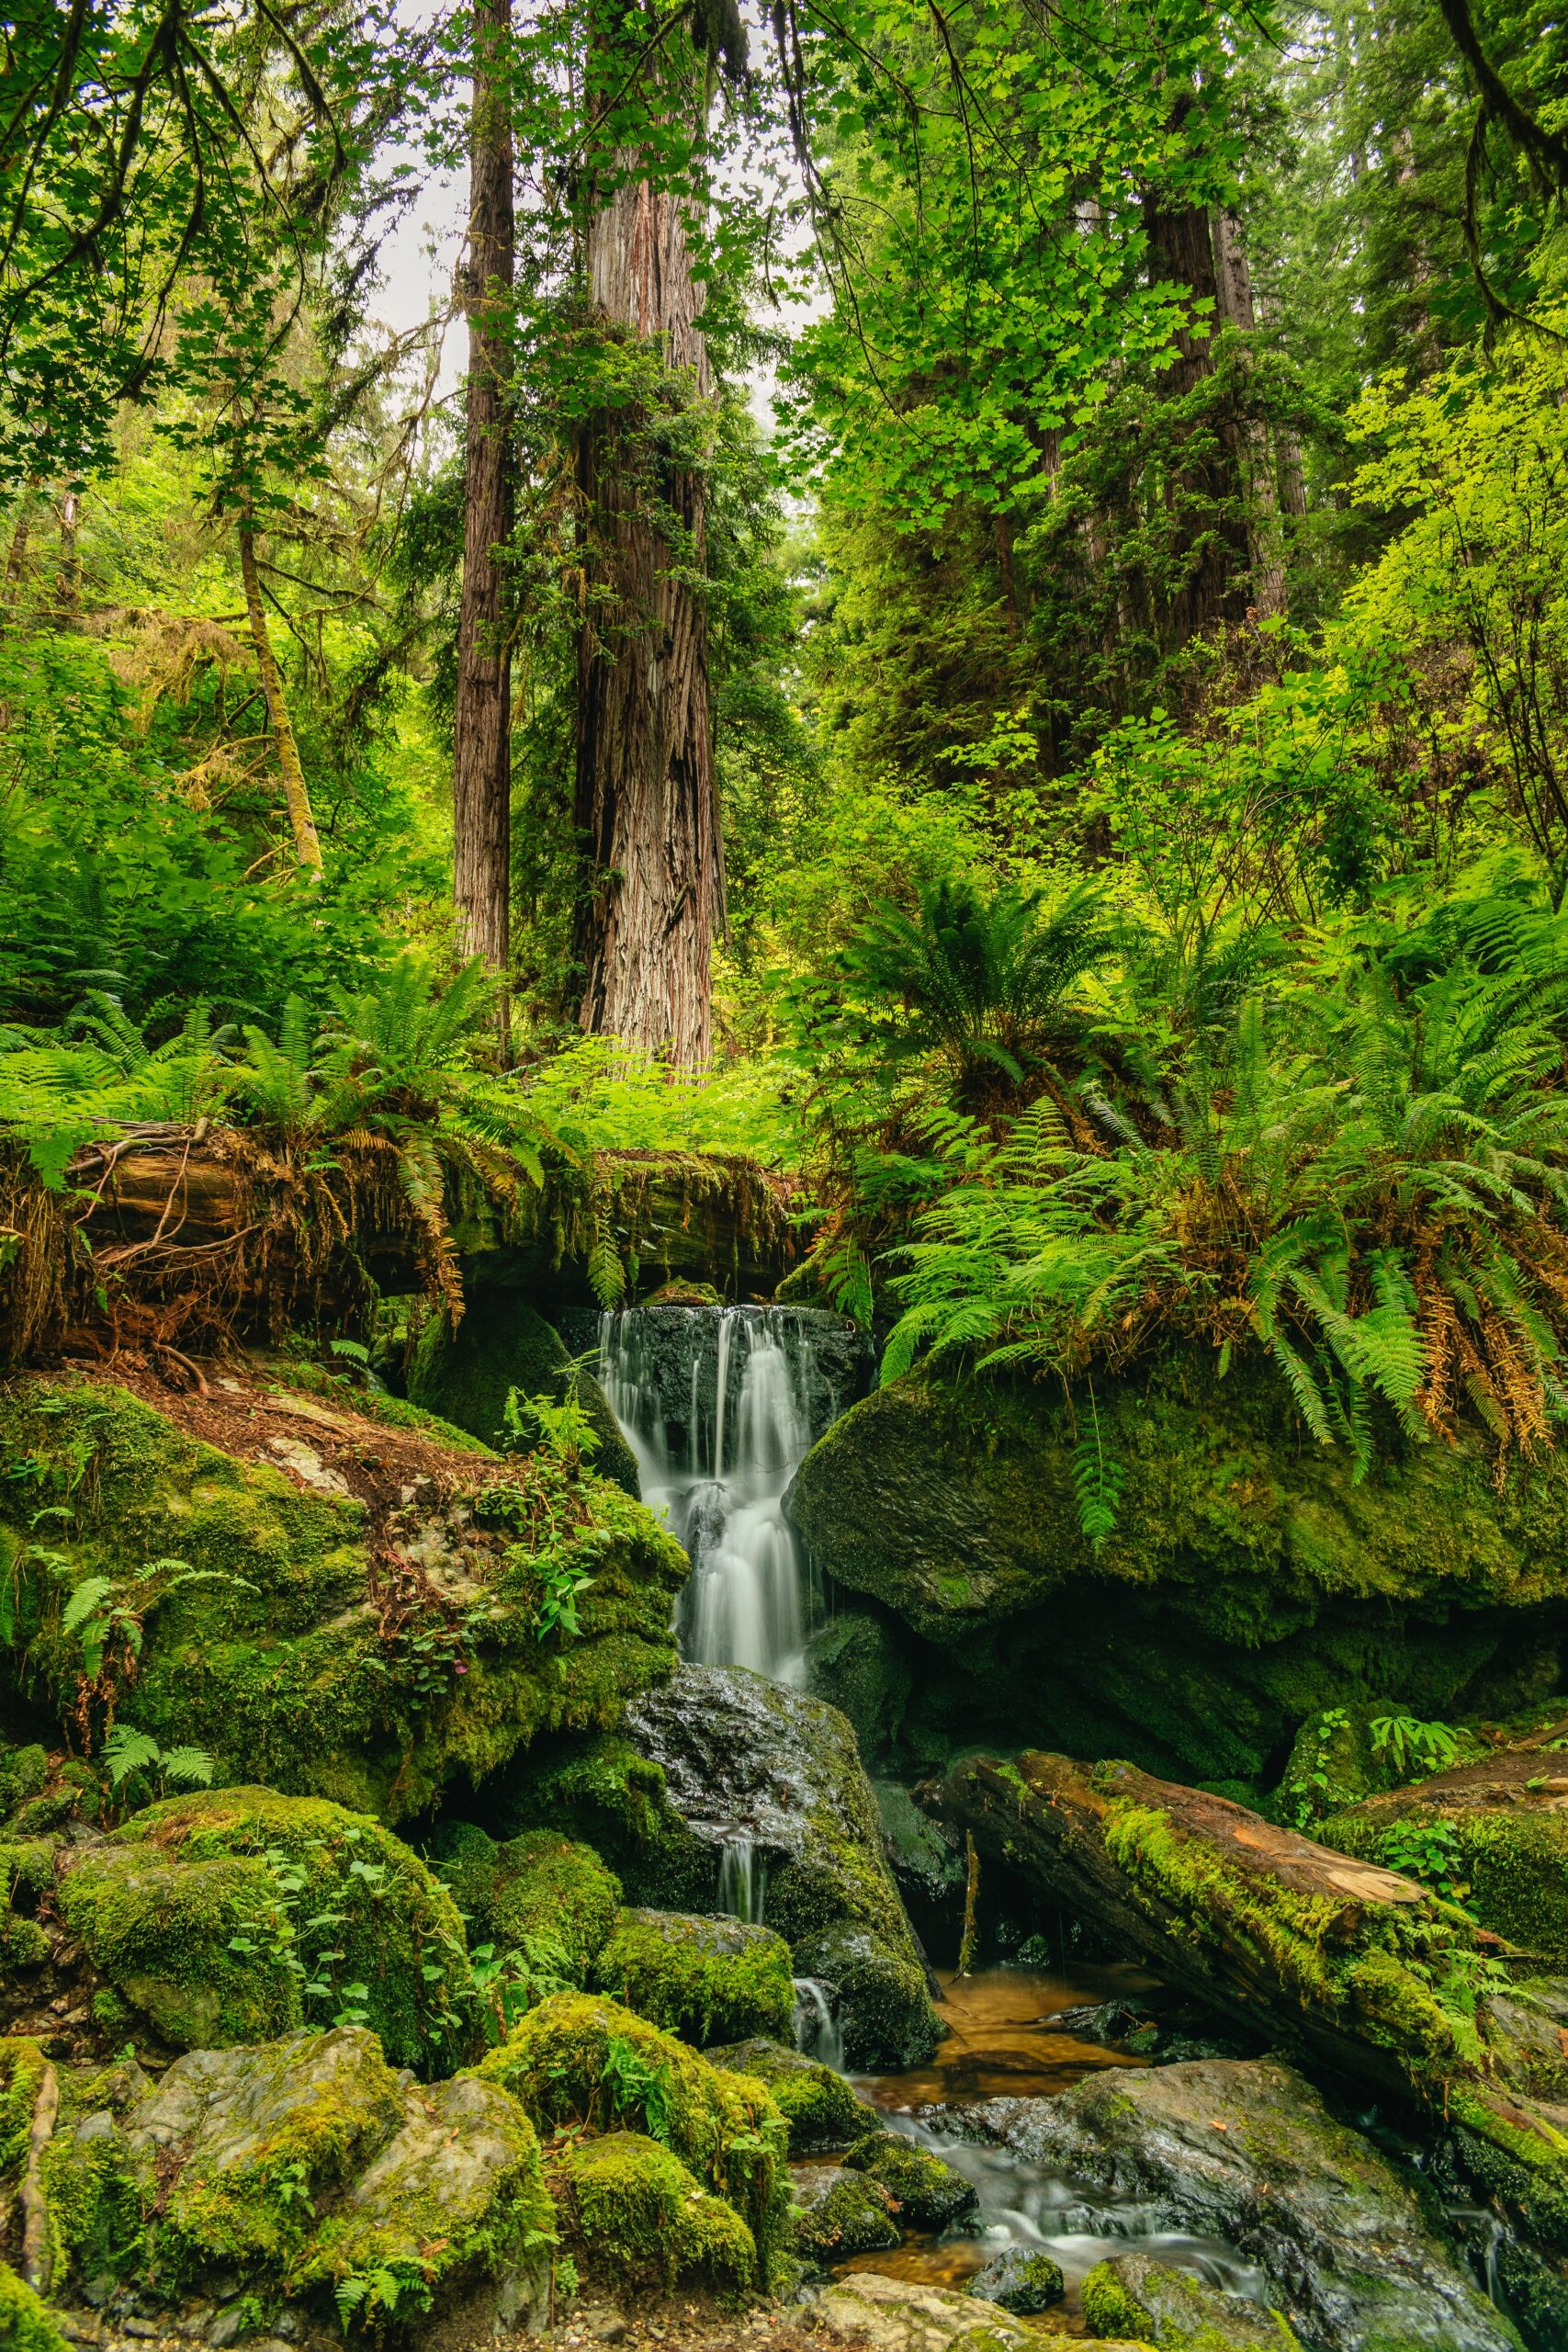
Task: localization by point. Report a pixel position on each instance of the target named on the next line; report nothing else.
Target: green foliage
(1429, 1850)
(1415, 1748)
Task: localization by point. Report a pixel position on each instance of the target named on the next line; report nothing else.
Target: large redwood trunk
(1182, 250)
(646, 807)
(482, 769)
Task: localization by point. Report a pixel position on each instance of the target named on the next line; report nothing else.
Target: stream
(720, 1405)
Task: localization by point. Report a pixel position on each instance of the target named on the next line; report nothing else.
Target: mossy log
(1355, 1964)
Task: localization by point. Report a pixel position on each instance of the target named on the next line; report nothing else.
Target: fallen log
(1350, 1963)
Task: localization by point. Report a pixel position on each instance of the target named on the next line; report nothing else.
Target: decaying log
(1353, 1964)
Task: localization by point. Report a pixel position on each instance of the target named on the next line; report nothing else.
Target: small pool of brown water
(1001, 2044)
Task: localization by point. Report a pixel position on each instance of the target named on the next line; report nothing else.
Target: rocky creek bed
(404, 1943)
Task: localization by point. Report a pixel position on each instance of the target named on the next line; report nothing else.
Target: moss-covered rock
(26, 2324)
(1135, 2296)
(1023, 2279)
(306, 2169)
(582, 2058)
(706, 1979)
(539, 1893)
(840, 2214)
(928, 2192)
(466, 1374)
(720, 1750)
(818, 2105)
(221, 1916)
(1254, 1584)
(1499, 1827)
(332, 1607)
(638, 2218)
(906, 2315)
(1246, 2152)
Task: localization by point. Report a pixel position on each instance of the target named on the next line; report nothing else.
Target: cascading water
(721, 1406)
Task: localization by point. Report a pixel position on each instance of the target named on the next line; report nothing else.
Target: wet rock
(1023, 2279)
(930, 2195)
(1247, 1585)
(706, 1979)
(821, 2106)
(841, 2214)
(927, 1862)
(716, 1755)
(502, 1344)
(1244, 2150)
(901, 2315)
(1133, 2295)
(856, 1663)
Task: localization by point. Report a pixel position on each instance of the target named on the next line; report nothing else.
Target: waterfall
(742, 1879)
(816, 2032)
(720, 1405)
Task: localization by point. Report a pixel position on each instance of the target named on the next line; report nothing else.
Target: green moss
(503, 1343)
(202, 1909)
(307, 2129)
(375, 1405)
(25, 2322)
(844, 2214)
(706, 1979)
(1254, 1584)
(552, 1886)
(22, 2065)
(641, 2219)
(818, 2105)
(929, 2194)
(276, 1660)
(1513, 1859)
(23, 1773)
(1171, 2309)
(466, 1859)
(581, 2058)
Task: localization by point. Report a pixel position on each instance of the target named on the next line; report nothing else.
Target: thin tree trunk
(647, 805)
(70, 556)
(307, 847)
(483, 768)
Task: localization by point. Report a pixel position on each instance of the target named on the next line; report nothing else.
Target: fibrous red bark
(482, 765)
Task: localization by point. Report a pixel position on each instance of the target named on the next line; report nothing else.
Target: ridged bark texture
(1181, 249)
(481, 813)
(646, 807)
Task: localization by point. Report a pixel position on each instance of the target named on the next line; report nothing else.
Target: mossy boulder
(1023, 2279)
(820, 2106)
(1132, 2295)
(719, 1751)
(306, 2168)
(219, 1916)
(538, 1889)
(1248, 1584)
(930, 2193)
(706, 1979)
(466, 1373)
(840, 2214)
(639, 2219)
(583, 2058)
(26, 2324)
(1499, 1827)
(329, 1607)
(1245, 2151)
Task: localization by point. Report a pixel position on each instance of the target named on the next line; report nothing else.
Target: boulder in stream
(930, 2193)
(1022, 2278)
(721, 1758)
(1133, 2294)
(706, 1979)
(819, 2105)
(840, 2214)
(1244, 2150)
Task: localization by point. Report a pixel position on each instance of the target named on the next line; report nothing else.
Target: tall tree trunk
(296, 792)
(1181, 249)
(1233, 276)
(647, 805)
(482, 767)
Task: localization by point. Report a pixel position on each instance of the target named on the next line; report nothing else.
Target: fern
(1097, 1481)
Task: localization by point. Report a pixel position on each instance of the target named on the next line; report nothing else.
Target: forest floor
(662, 2326)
